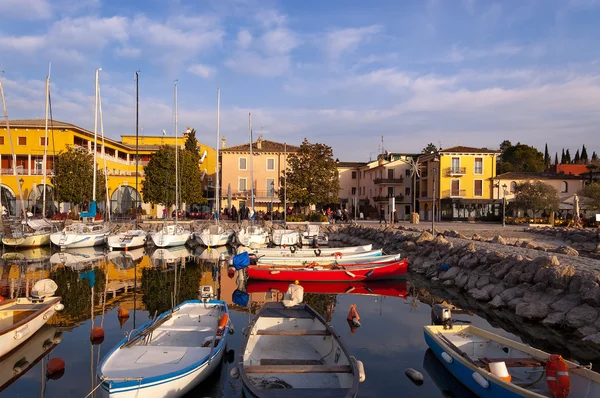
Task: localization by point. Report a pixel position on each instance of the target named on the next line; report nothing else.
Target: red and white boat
(379, 288)
(332, 273)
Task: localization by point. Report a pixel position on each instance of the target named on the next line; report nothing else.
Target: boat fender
(350, 274)
(482, 381)
(58, 336)
(222, 324)
(122, 312)
(337, 255)
(24, 331)
(293, 249)
(274, 272)
(415, 376)
(368, 274)
(318, 252)
(557, 376)
(234, 373)
(55, 369)
(447, 357)
(47, 344)
(362, 376)
(20, 366)
(49, 314)
(59, 307)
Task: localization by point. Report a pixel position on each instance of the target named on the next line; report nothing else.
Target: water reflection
(449, 385)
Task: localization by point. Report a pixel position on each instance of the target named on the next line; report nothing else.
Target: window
(407, 191)
(455, 165)
(270, 187)
(354, 175)
(43, 141)
(1, 140)
(242, 185)
(22, 141)
(478, 165)
(270, 164)
(243, 164)
(391, 174)
(407, 172)
(455, 188)
(390, 192)
(353, 190)
(478, 188)
(513, 187)
(564, 187)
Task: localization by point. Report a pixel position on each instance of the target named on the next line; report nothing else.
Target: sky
(341, 72)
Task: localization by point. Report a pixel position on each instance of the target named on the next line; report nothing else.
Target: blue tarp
(240, 298)
(91, 213)
(90, 276)
(241, 260)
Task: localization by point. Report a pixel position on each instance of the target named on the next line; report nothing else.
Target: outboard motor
(315, 241)
(441, 315)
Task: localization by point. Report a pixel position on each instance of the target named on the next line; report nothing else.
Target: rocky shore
(556, 291)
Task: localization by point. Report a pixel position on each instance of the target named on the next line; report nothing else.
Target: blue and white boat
(169, 356)
(492, 366)
(327, 259)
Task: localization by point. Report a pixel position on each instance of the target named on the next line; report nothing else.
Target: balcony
(456, 171)
(454, 193)
(259, 196)
(399, 198)
(389, 181)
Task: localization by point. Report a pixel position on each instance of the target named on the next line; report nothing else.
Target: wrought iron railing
(398, 180)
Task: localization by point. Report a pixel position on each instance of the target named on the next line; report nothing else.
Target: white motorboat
(171, 235)
(30, 233)
(293, 251)
(294, 352)
(252, 236)
(20, 318)
(313, 237)
(169, 356)
(78, 258)
(214, 235)
(78, 235)
(127, 240)
(285, 237)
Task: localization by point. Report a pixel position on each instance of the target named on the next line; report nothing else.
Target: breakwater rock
(554, 290)
(586, 240)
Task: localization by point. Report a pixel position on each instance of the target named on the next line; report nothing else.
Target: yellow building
(268, 160)
(28, 142)
(459, 181)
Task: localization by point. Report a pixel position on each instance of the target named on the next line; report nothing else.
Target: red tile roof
(467, 149)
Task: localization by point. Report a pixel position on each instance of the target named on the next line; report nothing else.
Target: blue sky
(468, 72)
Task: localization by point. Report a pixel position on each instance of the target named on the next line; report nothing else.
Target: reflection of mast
(134, 290)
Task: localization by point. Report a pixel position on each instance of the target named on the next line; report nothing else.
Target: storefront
(489, 210)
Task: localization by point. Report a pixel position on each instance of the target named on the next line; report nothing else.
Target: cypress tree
(563, 157)
(594, 157)
(584, 155)
(555, 158)
(576, 159)
(547, 157)
(568, 157)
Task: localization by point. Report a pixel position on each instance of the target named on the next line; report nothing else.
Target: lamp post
(272, 195)
(503, 205)
(433, 173)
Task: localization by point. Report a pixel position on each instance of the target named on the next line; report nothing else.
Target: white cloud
(253, 63)
(128, 52)
(201, 70)
(244, 38)
(26, 9)
(346, 40)
(459, 54)
(270, 18)
(279, 41)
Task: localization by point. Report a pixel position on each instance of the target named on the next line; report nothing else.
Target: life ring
(318, 252)
(293, 249)
(557, 376)
(337, 255)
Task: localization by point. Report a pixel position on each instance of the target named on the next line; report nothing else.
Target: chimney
(223, 143)
(259, 143)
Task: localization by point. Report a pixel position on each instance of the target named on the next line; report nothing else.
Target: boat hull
(127, 240)
(73, 241)
(381, 288)
(329, 259)
(213, 240)
(316, 252)
(285, 237)
(28, 241)
(354, 274)
(169, 240)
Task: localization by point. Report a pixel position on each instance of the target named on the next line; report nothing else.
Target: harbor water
(389, 341)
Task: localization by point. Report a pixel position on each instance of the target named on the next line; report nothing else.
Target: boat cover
(293, 296)
(241, 260)
(44, 288)
(38, 223)
(240, 298)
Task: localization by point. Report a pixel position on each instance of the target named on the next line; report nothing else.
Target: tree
(555, 158)
(158, 186)
(584, 155)
(429, 149)
(74, 176)
(312, 177)
(536, 196)
(191, 143)
(547, 157)
(568, 157)
(563, 157)
(521, 157)
(504, 146)
(576, 159)
(592, 194)
(594, 157)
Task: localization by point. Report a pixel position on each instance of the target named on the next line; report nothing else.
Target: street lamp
(503, 205)
(433, 173)
(272, 195)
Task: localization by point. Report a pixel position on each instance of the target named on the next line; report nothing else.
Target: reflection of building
(229, 285)
(28, 142)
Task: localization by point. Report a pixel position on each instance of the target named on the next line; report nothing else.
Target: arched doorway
(8, 201)
(123, 200)
(35, 201)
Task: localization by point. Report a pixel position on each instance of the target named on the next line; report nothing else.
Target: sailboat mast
(251, 167)
(47, 112)
(95, 133)
(176, 160)
(137, 156)
(107, 201)
(285, 183)
(218, 185)
(12, 149)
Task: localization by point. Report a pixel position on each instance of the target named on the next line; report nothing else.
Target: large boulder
(568, 250)
(425, 237)
(590, 292)
(472, 281)
(440, 240)
(558, 276)
(581, 316)
(450, 274)
(479, 294)
(497, 302)
(503, 268)
(565, 303)
(535, 310)
(469, 261)
(554, 319)
(483, 280)
(514, 292)
(499, 240)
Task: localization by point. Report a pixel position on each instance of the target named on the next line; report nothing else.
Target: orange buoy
(222, 324)
(557, 376)
(353, 313)
(122, 313)
(97, 336)
(55, 369)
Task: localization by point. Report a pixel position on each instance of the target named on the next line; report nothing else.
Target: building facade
(28, 141)
(567, 185)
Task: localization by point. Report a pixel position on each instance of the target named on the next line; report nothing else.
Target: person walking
(381, 214)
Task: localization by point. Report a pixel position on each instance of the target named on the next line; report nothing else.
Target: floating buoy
(234, 373)
(353, 316)
(1, 299)
(97, 336)
(122, 313)
(55, 369)
(230, 272)
(415, 376)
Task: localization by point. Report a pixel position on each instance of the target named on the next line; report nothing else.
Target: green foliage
(576, 159)
(73, 177)
(159, 184)
(584, 155)
(594, 157)
(505, 145)
(317, 217)
(592, 194)
(191, 143)
(295, 218)
(547, 157)
(536, 196)
(556, 158)
(563, 157)
(521, 157)
(568, 157)
(429, 149)
(312, 177)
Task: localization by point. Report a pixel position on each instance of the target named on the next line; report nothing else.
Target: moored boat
(170, 236)
(20, 318)
(313, 237)
(332, 273)
(78, 235)
(285, 237)
(493, 366)
(328, 259)
(169, 356)
(30, 233)
(310, 262)
(293, 251)
(295, 348)
(214, 236)
(379, 288)
(127, 240)
(252, 236)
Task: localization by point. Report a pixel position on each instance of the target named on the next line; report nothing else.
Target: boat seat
(298, 369)
(287, 362)
(186, 328)
(294, 332)
(513, 362)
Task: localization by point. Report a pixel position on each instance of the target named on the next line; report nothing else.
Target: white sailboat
(252, 236)
(173, 235)
(81, 234)
(215, 235)
(285, 237)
